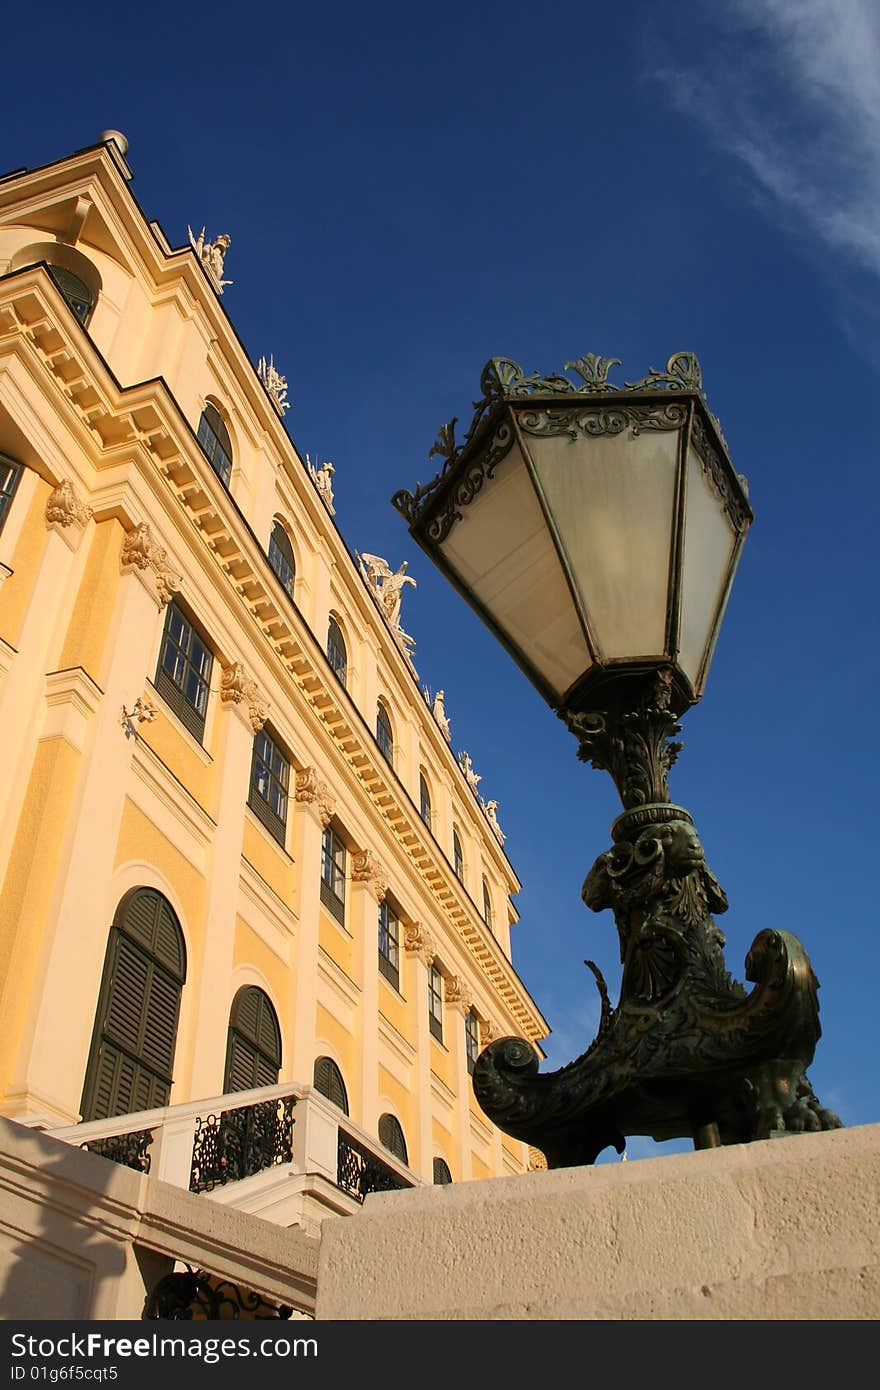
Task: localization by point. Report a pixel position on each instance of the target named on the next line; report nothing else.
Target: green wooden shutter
(132, 1055)
(253, 1051)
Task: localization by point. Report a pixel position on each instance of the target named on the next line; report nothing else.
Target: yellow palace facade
(236, 847)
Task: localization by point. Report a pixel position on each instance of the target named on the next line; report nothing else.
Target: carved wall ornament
(309, 790)
(456, 994)
(141, 551)
(241, 690)
(537, 1161)
(143, 711)
(418, 940)
(489, 1031)
(306, 784)
(212, 254)
(64, 507)
(275, 384)
(321, 477)
(366, 867)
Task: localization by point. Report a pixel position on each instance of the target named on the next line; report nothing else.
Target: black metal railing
(238, 1143)
(359, 1172)
(128, 1149)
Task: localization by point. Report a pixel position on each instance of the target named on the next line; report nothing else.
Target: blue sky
(410, 191)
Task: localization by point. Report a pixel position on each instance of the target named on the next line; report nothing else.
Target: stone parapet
(784, 1229)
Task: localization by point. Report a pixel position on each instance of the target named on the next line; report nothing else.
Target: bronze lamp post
(596, 530)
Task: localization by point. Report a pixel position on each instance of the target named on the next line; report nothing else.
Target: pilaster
(368, 887)
(243, 711)
(312, 812)
(420, 951)
(459, 1003)
(64, 892)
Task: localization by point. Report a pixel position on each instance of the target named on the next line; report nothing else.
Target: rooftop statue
(321, 478)
(212, 254)
(275, 384)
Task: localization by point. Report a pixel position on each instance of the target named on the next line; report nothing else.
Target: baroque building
(237, 851)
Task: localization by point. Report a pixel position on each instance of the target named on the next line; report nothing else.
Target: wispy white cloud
(791, 88)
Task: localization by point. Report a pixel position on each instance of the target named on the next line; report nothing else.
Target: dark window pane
(75, 291)
(213, 436)
(281, 556)
(184, 673)
(10, 472)
(336, 652)
(384, 736)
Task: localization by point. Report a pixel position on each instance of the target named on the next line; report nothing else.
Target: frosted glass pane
(612, 499)
(503, 552)
(709, 540)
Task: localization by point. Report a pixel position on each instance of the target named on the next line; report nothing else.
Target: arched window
(336, 652)
(253, 1048)
(384, 734)
(216, 444)
(132, 1054)
(281, 556)
(457, 857)
(391, 1136)
(424, 800)
(76, 277)
(488, 917)
(80, 298)
(442, 1175)
(328, 1082)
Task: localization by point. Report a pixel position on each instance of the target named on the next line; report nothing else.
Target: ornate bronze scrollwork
(686, 1047)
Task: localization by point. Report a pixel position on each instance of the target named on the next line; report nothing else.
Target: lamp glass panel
(612, 500)
(503, 553)
(709, 541)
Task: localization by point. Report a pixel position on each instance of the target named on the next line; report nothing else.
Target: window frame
(172, 691)
(425, 807)
(278, 777)
(216, 441)
(334, 857)
(284, 560)
(471, 1039)
(8, 484)
(384, 733)
(389, 944)
(488, 912)
(336, 651)
(457, 856)
(435, 1001)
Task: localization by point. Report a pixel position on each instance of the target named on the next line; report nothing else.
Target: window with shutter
(132, 1054)
(442, 1175)
(328, 1082)
(253, 1051)
(391, 1135)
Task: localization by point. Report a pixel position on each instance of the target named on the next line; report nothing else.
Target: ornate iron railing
(359, 1172)
(239, 1143)
(128, 1149)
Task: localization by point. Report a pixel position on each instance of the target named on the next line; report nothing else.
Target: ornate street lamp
(596, 530)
